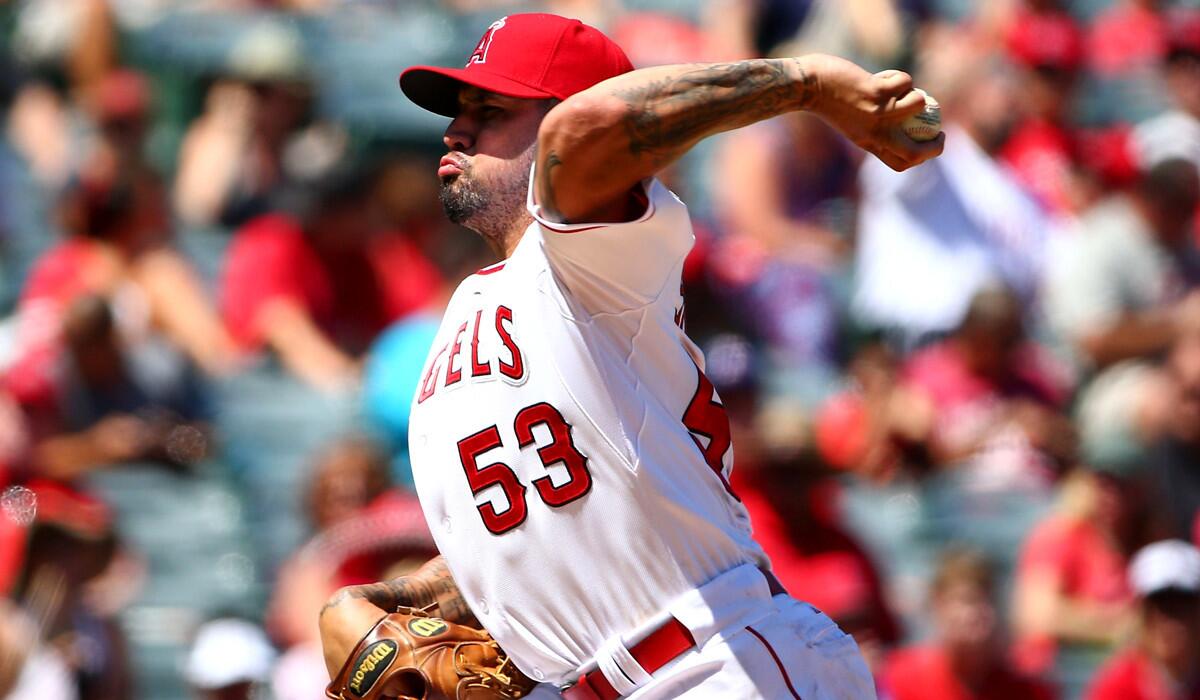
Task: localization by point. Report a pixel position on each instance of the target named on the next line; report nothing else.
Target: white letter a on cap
(485, 42)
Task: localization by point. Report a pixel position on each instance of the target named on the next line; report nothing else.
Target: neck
(970, 665)
(503, 239)
(1180, 667)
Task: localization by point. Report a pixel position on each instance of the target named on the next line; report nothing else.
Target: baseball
(926, 124)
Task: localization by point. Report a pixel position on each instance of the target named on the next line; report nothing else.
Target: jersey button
(446, 523)
(483, 606)
(538, 675)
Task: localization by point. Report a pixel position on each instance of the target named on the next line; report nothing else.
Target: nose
(459, 135)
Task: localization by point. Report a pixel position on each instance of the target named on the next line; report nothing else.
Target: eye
(490, 111)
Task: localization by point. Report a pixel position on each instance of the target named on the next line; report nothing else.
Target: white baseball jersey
(570, 455)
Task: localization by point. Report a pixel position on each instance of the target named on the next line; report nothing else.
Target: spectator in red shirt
(793, 507)
(119, 248)
(996, 396)
(1043, 148)
(1164, 662)
(364, 530)
(115, 402)
(1130, 36)
(966, 659)
(1071, 586)
(318, 292)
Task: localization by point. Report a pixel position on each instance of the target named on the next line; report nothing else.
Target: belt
(652, 653)
(659, 648)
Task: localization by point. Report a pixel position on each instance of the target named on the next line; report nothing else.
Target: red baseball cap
(1046, 40)
(534, 56)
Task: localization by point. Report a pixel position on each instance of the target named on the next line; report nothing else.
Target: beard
(463, 199)
(488, 206)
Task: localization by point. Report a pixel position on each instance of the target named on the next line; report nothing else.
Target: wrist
(808, 74)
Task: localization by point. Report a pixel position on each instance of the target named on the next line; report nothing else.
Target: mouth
(451, 165)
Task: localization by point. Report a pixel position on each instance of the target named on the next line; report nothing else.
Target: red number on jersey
(469, 449)
(706, 417)
(560, 450)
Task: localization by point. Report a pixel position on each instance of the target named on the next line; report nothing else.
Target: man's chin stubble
(461, 202)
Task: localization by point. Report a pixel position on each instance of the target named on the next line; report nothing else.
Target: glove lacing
(476, 676)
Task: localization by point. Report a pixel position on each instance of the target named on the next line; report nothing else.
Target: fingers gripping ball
(412, 656)
(926, 124)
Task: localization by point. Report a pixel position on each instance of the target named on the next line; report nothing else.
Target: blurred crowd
(965, 399)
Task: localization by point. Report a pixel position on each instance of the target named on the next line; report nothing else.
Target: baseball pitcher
(571, 457)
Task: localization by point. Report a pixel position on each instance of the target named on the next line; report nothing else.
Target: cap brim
(436, 89)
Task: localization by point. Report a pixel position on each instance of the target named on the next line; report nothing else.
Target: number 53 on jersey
(705, 419)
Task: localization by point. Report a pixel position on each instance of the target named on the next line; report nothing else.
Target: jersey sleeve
(618, 266)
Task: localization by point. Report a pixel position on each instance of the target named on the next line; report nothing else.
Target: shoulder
(57, 272)
(932, 363)
(1118, 677)
(909, 671)
(269, 229)
(267, 238)
(1051, 539)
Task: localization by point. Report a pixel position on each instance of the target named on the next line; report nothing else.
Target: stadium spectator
(1163, 663)
(794, 510)
(1112, 288)
(958, 223)
(70, 584)
(118, 248)
(232, 159)
(29, 669)
(967, 657)
(1128, 38)
(1173, 459)
(1070, 586)
(120, 107)
(879, 426)
(230, 659)
(997, 397)
(870, 31)
(15, 633)
(363, 531)
(116, 403)
(1043, 148)
(317, 290)
(784, 191)
(1176, 132)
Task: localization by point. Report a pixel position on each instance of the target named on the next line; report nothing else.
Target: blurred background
(965, 399)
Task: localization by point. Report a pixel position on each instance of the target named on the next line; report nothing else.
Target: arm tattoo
(664, 116)
(431, 587)
(674, 112)
(545, 192)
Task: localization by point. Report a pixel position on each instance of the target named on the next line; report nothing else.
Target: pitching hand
(869, 110)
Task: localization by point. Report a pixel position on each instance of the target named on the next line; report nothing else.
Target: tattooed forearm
(430, 587)
(596, 146)
(673, 112)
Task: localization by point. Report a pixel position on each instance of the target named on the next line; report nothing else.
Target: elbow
(329, 611)
(580, 121)
(342, 623)
(584, 161)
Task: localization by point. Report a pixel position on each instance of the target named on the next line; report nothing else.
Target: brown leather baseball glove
(411, 656)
